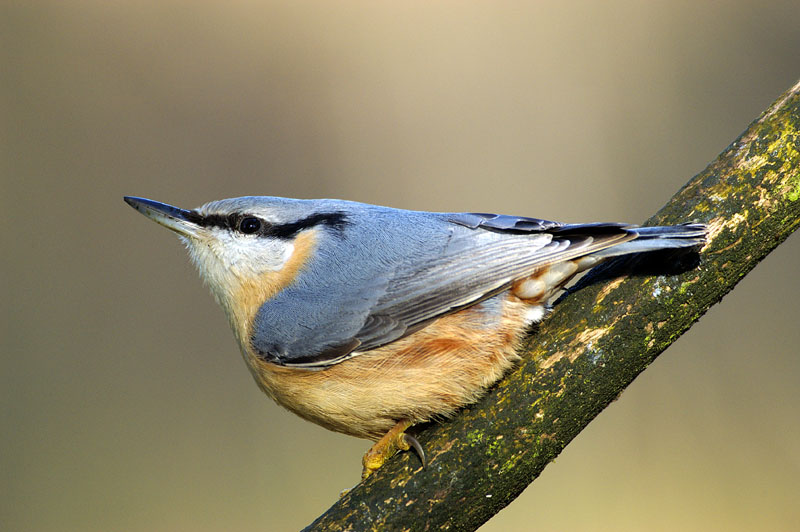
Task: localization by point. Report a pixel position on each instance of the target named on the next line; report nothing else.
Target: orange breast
(426, 375)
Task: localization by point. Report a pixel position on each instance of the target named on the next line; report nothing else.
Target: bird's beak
(178, 220)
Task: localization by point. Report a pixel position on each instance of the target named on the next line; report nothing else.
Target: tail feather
(660, 237)
(688, 230)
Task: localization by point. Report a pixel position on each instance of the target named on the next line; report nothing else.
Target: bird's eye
(249, 225)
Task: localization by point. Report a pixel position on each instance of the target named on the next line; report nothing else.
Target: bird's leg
(391, 442)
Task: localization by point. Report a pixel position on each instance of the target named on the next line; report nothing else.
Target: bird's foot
(393, 441)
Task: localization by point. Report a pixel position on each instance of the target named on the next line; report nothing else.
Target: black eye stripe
(210, 220)
(233, 221)
(335, 220)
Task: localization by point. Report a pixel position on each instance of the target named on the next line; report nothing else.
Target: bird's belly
(426, 375)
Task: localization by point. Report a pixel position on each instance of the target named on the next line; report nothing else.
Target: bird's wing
(477, 265)
(483, 254)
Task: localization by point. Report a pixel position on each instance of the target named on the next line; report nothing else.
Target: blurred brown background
(125, 404)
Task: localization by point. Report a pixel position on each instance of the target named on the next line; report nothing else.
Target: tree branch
(596, 341)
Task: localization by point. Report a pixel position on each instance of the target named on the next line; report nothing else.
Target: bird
(368, 320)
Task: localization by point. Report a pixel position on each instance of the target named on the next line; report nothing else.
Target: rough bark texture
(596, 341)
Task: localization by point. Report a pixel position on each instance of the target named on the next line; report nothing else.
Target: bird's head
(246, 249)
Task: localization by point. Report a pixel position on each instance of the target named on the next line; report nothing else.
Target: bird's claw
(393, 441)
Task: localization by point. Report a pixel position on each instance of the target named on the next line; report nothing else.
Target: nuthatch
(366, 319)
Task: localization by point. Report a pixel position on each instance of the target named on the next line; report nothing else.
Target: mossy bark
(595, 342)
